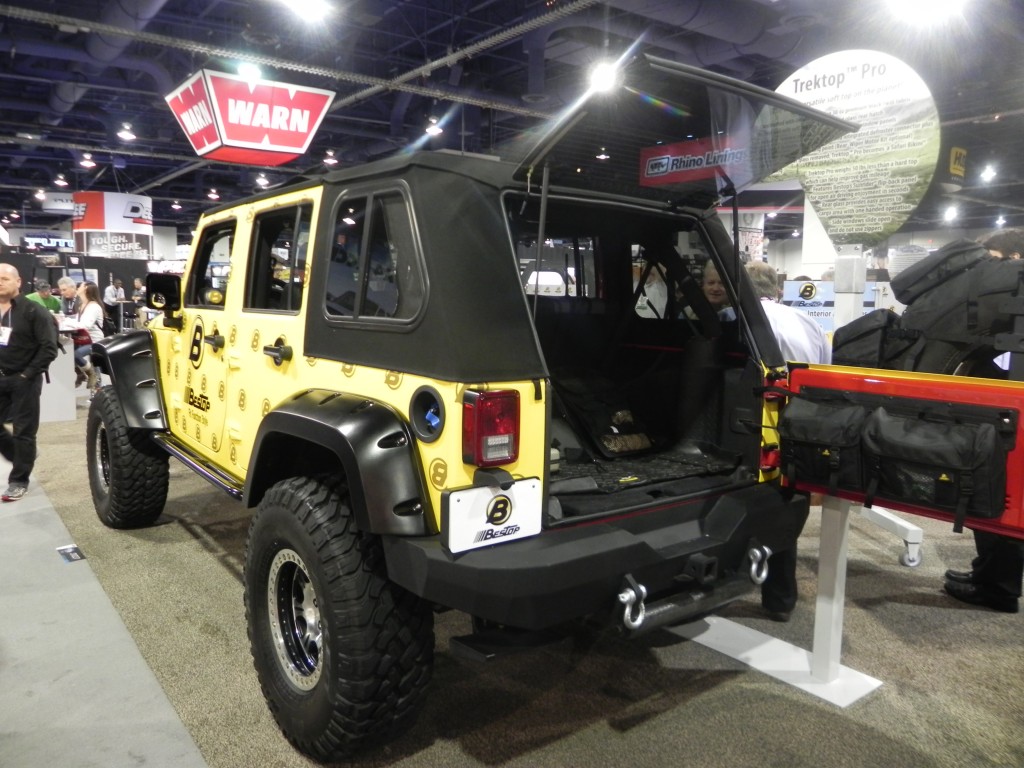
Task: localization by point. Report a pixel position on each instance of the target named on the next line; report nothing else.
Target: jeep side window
(208, 280)
(277, 264)
(374, 271)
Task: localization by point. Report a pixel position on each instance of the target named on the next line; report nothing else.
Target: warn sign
(234, 120)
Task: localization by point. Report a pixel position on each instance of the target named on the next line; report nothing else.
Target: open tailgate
(946, 447)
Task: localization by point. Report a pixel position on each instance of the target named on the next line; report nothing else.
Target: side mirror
(163, 292)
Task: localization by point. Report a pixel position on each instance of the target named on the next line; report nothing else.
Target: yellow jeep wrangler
(362, 359)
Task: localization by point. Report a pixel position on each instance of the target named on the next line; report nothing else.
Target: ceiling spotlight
(602, 155)
(125, 134)
(212, 194)
(250, 72)
(603, 77)
(1000, 221)
(262, 180)
(329, 158)
(176, 206)
(950, 213)
(5, 220)
(60, 181)
(433, 127)
(40, 195)
(87, 161)
(988, 174)
(796, 233)
(15, 215)
(772, 214)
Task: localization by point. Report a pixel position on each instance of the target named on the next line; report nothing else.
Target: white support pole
(828, 611)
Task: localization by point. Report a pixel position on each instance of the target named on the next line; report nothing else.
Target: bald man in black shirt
(28, 344)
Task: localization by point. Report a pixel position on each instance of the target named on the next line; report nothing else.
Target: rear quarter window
(374, 272)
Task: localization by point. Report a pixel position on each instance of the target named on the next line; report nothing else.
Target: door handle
(279, 353)
(215, 340)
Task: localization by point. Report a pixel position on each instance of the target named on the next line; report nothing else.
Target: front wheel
(128, 472)
(343, 655)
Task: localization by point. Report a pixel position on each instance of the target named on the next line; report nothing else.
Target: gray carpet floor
(953, 676)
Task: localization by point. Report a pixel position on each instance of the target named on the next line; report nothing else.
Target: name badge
(5, 336)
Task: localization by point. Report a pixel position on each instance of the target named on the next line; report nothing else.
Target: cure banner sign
(113, 224)
(259, 122)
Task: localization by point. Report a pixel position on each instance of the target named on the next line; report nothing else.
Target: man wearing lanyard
(28, 344)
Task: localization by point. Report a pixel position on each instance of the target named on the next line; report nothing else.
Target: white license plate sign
(480, 517)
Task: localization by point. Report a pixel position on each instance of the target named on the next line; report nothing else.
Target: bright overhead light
(314, 10)
(433, 127)
(87, 161)
(329, 158)
(60, 181)
(602, 155)
(40, 195)
(988, 174)
(15, 215)
(950, 213)
(249, 72)
(125, 134)
(5, 220)
(772, 214)
(176, 206)
(796, 233)
(1000, 221)
(604, 77)
(262, 180)
(212, 194)
(927, 12)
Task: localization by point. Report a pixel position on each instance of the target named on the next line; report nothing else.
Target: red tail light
(490, 427)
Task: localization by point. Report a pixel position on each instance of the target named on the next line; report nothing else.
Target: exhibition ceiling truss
(77, 77)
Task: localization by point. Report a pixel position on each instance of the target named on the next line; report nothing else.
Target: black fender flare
(373, 444)
(130, 360)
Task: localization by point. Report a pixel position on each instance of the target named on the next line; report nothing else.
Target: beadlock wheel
(295, 626)
(343, 655)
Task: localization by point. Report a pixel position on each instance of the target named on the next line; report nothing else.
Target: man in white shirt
(112, 294)
(800, 337)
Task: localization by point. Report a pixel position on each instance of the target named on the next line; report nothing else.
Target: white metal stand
(818, 672)
(912, 535)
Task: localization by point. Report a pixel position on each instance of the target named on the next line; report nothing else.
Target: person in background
(801, 340)
(800, 337)
(994, 580)
(43, 297)
(714, 291)
(113, 294)
(68, 296)
(139, 292)
(89, 318)
(714, 288)
(28, 344)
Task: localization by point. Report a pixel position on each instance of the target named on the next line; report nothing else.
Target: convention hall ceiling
(73, 72)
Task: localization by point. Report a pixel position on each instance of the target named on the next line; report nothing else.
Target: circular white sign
(865, 185)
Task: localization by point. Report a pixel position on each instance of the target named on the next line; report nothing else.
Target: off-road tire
(343, 656)
(128, 472)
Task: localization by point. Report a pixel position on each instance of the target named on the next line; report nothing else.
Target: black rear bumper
(570, 572)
